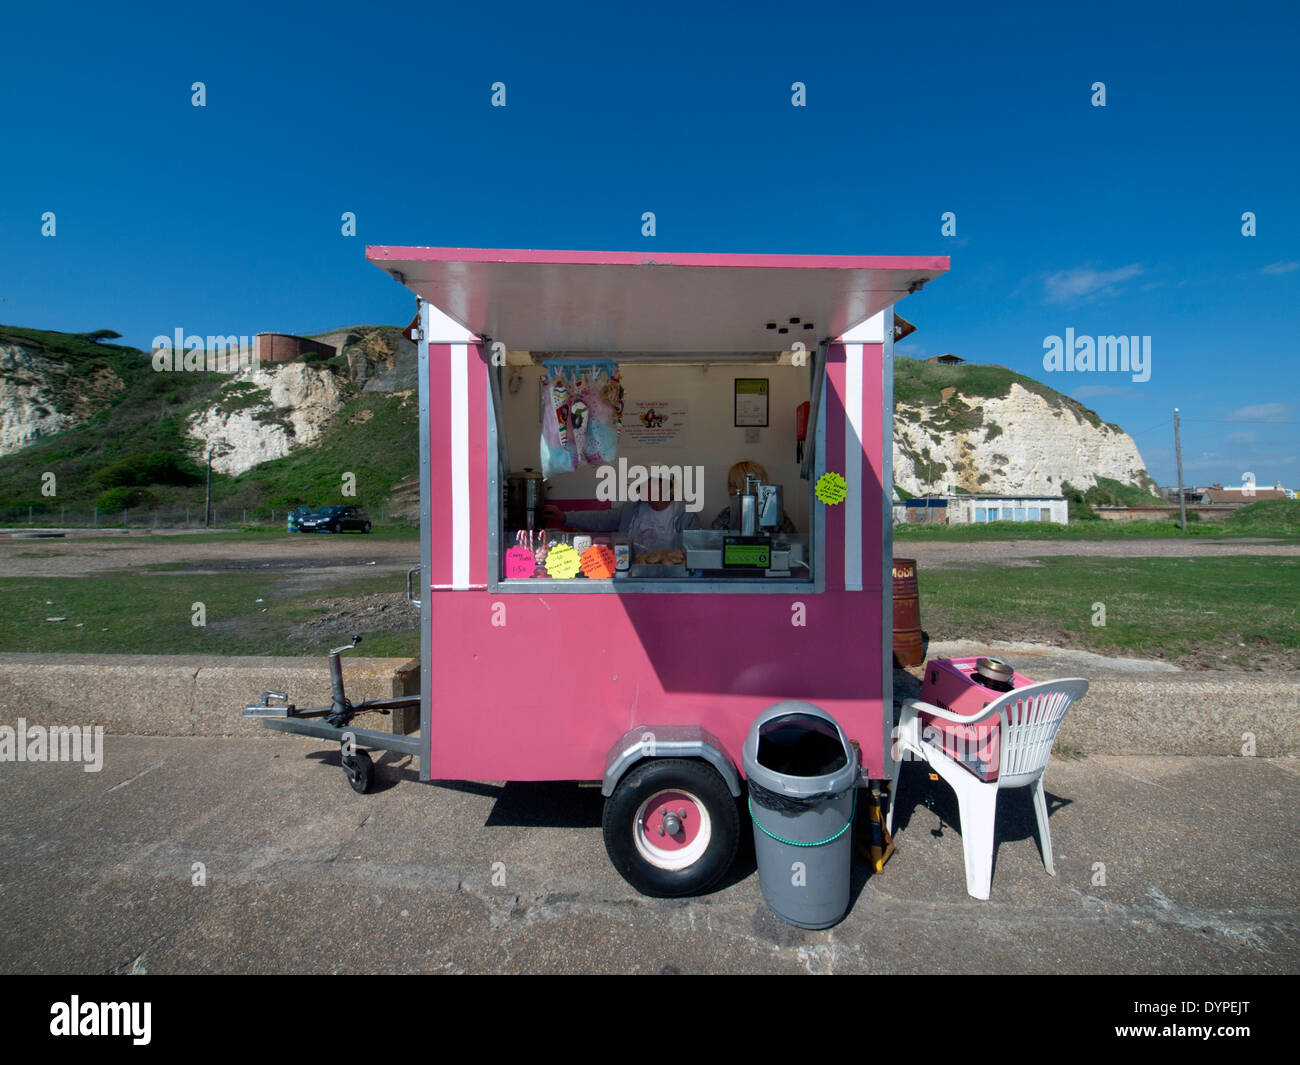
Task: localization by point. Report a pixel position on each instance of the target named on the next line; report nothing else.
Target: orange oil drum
(908, 647)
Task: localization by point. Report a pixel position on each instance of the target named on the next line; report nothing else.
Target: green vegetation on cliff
(130, 411)
(918, 383)
(132, 449)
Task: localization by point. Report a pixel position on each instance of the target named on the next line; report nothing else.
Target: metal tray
(656, 571)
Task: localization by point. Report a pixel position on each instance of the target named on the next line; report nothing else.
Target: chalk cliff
(265, 413)
(1003, 434)
(36, 399)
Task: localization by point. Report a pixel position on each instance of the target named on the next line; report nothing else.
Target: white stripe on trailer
(460, 466)
(853, 467)
(872, 331)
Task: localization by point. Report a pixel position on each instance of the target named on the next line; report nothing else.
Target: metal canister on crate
(622, 555)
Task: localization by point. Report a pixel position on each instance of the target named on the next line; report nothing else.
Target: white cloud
(1243, 438)
(1282, 266)
(1083, 282)
(1260, 412)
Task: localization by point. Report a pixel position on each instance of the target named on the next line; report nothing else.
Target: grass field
(1222, 612)
(135, 613)
(1236, 612)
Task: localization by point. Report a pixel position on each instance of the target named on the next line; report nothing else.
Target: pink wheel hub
(672, 829)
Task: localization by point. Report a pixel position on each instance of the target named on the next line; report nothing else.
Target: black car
(335, 519)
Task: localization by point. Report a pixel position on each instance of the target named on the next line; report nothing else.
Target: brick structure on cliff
(284, 347)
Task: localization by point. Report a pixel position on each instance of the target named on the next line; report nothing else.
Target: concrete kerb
(1126, 711)
(184, 695)
(1188, 714)
(1231, 714)
(1136, 706)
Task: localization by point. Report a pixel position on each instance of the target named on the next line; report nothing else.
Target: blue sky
(1123, 219)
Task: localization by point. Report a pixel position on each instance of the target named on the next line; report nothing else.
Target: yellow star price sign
(562, 562)
(832, 488)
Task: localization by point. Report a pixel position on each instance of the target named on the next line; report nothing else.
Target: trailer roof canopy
(583, 301)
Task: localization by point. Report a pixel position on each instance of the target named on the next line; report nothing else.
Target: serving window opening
(687, 473)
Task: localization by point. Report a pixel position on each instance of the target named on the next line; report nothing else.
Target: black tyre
(671, 827)
(360, 771)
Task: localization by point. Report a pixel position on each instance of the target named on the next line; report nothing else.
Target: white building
(975, 509)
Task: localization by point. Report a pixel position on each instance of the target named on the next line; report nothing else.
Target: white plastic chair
(1029, 718)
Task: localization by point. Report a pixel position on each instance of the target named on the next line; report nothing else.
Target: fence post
(245, 515)
(187, 517)
(96, 517)
(124, 517)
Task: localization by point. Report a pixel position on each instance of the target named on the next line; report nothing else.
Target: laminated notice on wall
(657, 423)
(582, 415)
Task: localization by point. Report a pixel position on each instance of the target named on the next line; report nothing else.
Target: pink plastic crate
(949, 683)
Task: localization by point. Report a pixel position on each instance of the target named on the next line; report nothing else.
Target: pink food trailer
(644, 670)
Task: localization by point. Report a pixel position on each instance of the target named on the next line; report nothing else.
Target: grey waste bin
(802, 774)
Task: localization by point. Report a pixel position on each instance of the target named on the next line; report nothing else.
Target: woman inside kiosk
(650, 526)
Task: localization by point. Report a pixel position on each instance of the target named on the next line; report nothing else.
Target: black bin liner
(797, 745)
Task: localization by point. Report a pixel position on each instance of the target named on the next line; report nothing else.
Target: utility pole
(1178, 451)
(207, 495)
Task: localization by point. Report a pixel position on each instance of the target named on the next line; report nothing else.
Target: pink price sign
(520, 562)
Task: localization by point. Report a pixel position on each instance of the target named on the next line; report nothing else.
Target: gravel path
(77, 557)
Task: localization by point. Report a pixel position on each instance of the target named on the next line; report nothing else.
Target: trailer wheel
(671, 827)
(360, 770)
